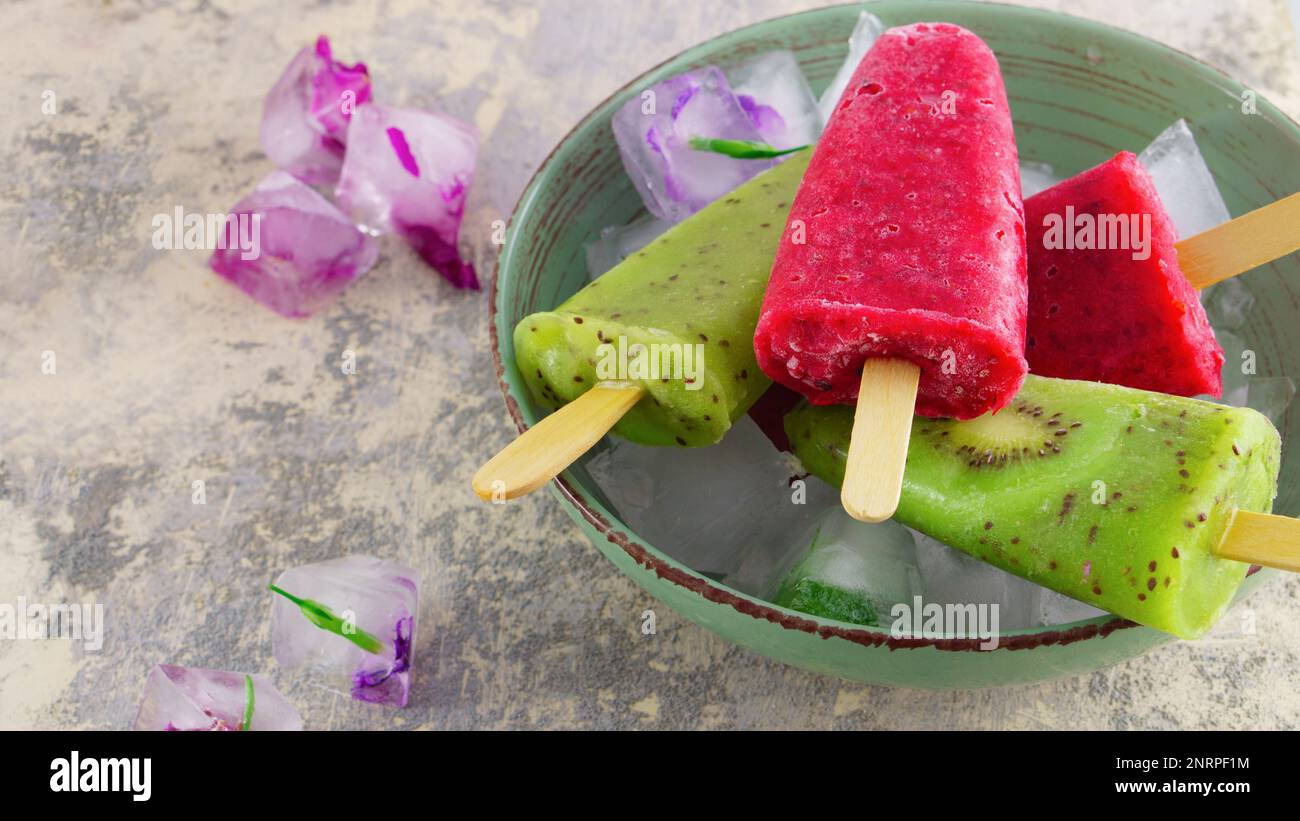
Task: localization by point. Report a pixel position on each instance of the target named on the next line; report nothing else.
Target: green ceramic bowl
(1079, 92)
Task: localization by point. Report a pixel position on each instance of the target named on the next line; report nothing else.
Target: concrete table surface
(164, 376)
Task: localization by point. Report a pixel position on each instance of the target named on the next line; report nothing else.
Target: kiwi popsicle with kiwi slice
(1114, 496)
(692, 294)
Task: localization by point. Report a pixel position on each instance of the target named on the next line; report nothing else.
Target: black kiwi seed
(1066, 504)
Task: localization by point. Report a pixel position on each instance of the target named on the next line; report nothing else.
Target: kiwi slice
(1023, 431)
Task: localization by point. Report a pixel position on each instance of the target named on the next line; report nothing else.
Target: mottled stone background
(165, 375)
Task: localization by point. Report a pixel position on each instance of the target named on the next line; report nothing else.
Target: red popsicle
(906, 240)
(1107, 299)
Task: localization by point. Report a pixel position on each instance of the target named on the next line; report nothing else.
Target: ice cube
(305, 115)
(409, 172)
(1235, 380)
(1035, 177)
(1184, 182)
(371, 604)
(616, 243)
(865, 33)
(952, 577)
(727, 511)
(192, 698)
(1228, 304)
(775, 94)
(1271, 396)
(853, 571)
(290, 249)
(654, 129)
(1054, 609)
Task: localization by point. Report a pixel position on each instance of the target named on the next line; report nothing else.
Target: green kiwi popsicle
(676, 318)
(1114, 496)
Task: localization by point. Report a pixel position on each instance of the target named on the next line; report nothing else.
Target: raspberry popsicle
(904, 255)
(1108, 300)
(1111, 305)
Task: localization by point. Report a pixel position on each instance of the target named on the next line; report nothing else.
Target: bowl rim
(677, 573)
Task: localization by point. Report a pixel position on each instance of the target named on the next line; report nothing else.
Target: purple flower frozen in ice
(305, 116)
(363, 597)
(409, 172)
(192, 698)
(290, 249)
(384, 683)
(654, 132)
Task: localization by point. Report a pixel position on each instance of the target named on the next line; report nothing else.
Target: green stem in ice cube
(248, 703)
(321, 616)
(742, 149)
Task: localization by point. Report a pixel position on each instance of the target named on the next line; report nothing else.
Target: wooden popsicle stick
(1235, 247)
(554, 443)
(882, 426)
(1262, 538)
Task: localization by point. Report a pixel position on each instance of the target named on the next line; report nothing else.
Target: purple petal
(398, 139)
(337, 90)
(652, 140)
(765, 118)
(682, 99)
(441, 255)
